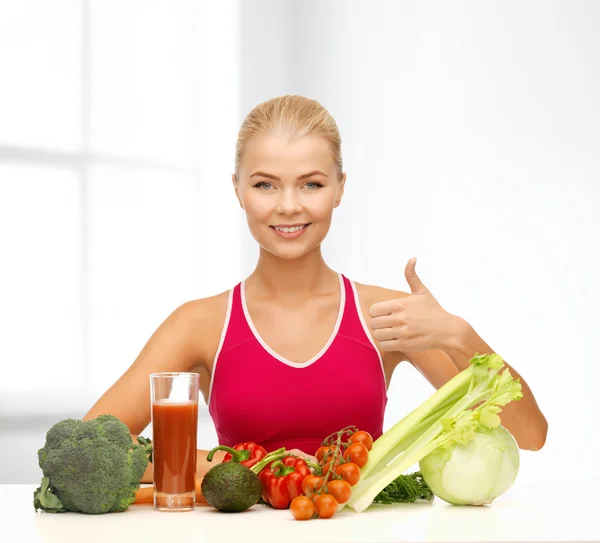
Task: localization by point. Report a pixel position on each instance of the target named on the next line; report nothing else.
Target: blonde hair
(296, 115)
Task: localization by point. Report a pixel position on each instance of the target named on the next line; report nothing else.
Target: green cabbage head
(474, 473)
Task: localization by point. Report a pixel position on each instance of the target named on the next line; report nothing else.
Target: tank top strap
(353, 324)
(236, 330)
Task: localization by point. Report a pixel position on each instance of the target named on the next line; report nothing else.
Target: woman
(297, 350)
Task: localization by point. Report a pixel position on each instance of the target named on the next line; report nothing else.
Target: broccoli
(90, 466)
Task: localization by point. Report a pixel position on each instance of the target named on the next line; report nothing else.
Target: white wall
(470, 136)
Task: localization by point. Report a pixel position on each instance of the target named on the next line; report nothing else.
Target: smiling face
(288, 189)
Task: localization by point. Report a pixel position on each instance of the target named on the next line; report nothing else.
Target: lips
(289, 227)
(290, 231)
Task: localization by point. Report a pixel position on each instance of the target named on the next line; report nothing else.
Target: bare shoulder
(202, 309)
(372, 294)
(205, 318)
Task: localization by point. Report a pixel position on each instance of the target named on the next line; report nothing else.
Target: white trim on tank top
(366, 328)
(281, 358)
(221, 341)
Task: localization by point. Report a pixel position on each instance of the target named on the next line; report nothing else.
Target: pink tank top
(257, 395)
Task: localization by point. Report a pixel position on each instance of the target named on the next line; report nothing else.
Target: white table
(540, 514)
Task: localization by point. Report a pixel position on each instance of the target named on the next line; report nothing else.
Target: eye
(263, 184)
(314, 185)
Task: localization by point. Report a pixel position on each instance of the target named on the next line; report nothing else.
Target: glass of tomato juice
(174, 403)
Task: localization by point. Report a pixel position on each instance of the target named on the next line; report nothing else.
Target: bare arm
(523, 419)
(172, 347)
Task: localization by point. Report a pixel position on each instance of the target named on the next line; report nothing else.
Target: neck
(294, 279)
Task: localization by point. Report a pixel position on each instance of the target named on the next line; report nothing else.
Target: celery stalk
(444, 419)
(405, 431)
(417, 431)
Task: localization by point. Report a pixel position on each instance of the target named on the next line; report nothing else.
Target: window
(117, 135)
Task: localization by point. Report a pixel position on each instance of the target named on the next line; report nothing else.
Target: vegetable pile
(90, 467)
(308, 490)
(465, 457)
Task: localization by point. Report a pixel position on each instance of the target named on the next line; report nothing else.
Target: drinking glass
(174, 403)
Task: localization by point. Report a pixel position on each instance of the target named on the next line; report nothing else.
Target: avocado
(231, 487)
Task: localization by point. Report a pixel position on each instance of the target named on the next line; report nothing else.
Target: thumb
(413, 280)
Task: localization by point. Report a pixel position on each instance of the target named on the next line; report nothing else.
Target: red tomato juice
(174, 428)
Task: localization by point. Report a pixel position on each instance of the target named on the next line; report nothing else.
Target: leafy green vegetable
(474, 473)
(405, 489)
(90, 466)
(453, 414)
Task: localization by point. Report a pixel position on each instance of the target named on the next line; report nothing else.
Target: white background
(470, 139)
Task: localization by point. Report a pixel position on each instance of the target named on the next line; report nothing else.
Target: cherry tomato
(302, 508)
(340, 490)
(325, 505)
(328, 465)
(362, 437)
(325, 452)
(311, 483)
(357, 453)
(349, 472)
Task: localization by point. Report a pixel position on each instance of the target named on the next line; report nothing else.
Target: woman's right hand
(305, 456)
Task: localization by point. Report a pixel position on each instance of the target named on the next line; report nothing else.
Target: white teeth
(293, 229)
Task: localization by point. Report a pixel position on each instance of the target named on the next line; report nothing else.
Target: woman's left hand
(415, 323)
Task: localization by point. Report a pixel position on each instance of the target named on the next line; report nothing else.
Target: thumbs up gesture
(415, 323)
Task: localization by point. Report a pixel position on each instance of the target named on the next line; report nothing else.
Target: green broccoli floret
(90, 466)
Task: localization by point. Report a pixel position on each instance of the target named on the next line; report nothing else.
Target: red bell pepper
(248, 454)
(282, 481)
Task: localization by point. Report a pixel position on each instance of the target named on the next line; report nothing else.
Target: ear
(237, 192)
(340, 193)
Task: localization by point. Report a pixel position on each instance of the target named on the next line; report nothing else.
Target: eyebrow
(303, 176)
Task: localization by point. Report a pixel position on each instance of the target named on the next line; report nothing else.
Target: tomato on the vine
(340, 490)
(349, 472)
(362, 437)
(335, 462)
(325, 505)
(302, 508)
(312, 483)
(357, 453)
(326, 452)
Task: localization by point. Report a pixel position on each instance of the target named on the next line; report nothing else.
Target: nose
(288, 203)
